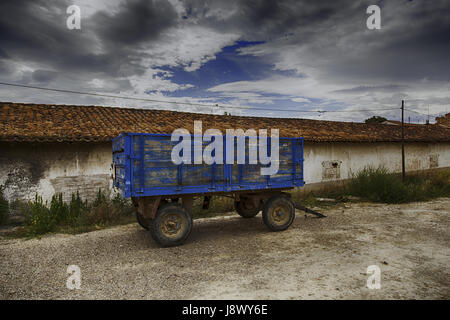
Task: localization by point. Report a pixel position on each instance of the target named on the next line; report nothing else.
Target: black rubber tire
(144, 223)
(244, 212)
(275, 203)
(156, 225)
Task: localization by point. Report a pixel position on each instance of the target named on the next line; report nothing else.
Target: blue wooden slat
(145, 168)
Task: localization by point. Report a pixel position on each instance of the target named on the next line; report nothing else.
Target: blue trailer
(163, 192)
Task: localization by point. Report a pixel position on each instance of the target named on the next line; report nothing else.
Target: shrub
(40, 219)
(4, 207)
(375, 119)
(76, 216)
(99, 199)
(105, 211)
(441, 183)
(59, 210)
(77, 208)
(125, 206)
(120, 201)
(380, 185)
(377, 184)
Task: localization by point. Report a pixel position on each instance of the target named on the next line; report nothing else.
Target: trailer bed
(142, 166)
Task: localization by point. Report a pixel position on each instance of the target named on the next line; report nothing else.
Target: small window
(434, 160)
(331, 170)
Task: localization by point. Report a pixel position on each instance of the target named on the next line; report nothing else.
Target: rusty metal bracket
(148, 206)
(206, 202)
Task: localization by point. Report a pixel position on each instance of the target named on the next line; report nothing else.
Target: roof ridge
(61, 122)
(173, 111)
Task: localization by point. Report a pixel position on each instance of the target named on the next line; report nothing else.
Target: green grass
(380, 185)
(74, 217)
(77, 216)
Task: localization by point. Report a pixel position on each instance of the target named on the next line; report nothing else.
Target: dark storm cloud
(414, 42)
(3, 53)
(281, 17)
(135, 22)
(329, 37)
(417, 47)
(36, 32)
(262, 19)
(44, 75)
(364, 89)
(5, 69)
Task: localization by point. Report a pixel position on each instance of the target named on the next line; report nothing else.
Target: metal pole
(403, 142)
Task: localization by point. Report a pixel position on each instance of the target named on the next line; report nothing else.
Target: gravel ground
(230, 257)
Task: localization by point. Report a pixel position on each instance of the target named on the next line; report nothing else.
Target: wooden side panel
(289, 168)
(158, 170)
(148, 166)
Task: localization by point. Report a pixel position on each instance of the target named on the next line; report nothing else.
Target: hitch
(299, 207)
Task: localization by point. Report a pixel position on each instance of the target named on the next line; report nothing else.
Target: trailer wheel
(246, 209)
(142, 221)
(171, 226)
(278, 213)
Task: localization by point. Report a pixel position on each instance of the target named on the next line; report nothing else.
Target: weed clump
(380, 185)
(4, 207)
(75, 216)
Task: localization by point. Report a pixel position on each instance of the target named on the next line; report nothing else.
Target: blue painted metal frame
(124, 158)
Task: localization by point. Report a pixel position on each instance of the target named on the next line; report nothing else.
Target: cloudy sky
(263, 58)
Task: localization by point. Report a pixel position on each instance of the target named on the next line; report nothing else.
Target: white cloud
(418, 96)
(302, 100)
(151, 81)
(187, 45)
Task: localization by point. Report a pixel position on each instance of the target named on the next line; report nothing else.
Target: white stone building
(48, 149)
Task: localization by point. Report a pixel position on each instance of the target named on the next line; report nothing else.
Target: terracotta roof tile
(444, 120)
(36, 122)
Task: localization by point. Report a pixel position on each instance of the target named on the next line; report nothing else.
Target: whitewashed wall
(49, 168)
(352, 157)
(42, 168)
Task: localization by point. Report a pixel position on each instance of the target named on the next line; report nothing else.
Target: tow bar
(299, 207)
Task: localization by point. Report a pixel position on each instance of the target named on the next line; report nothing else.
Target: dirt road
(231, 257)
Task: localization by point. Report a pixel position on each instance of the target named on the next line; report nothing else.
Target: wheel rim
(280, 214)
(173, 225)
